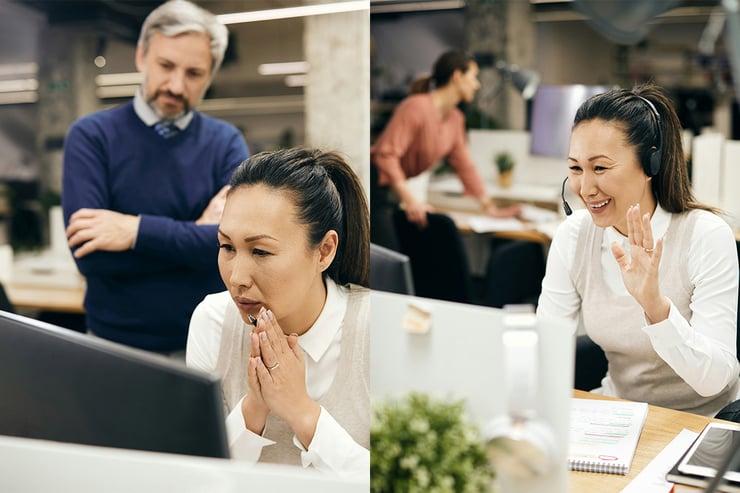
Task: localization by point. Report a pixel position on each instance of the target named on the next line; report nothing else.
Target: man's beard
(151, 101)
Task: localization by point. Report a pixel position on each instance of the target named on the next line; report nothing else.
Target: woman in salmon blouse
(426, 127)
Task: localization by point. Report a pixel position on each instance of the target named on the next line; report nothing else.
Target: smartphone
(710, 450)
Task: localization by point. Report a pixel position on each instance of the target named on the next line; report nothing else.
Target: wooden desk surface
(661, 426)
(462, 221)
(461, 209)
(47, 298)
(460, 206)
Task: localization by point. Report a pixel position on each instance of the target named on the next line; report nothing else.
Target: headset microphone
(566, 207)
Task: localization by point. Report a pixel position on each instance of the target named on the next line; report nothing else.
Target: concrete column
(486, 33)
(505, 29)
(519, 51)
(337, 46)
(66, 92)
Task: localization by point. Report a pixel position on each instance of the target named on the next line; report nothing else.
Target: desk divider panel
(462, 356)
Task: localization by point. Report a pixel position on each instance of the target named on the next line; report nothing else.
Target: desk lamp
(525, 80)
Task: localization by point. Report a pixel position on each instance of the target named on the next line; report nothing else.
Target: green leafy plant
(422, 445)
(504, 161)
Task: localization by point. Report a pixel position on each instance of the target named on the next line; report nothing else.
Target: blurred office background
(539, 60)
(589, 42)
(62, 59)
(287, 79)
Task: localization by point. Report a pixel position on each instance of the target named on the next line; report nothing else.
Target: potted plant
(423, 445)
(505, 164)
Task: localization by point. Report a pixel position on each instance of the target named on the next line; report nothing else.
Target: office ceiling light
(108, 92)
(393, 6)
(122, 79)
(525, 80)
(300, 80)
(19, 85)
(290, 12)
(18, 69)
(283, 68)
(19, 97)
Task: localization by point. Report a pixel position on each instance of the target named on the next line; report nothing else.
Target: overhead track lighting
(291, 12)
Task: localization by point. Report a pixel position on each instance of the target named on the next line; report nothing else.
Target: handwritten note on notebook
(604, 434)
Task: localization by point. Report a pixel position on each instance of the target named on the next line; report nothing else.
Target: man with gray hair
(144, 185)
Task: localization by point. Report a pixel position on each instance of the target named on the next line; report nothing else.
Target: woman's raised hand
(640, 270)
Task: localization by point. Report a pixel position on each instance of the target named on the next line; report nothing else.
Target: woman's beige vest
(615, 322)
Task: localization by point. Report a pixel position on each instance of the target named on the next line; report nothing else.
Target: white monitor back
(462, 356)
(45, 465)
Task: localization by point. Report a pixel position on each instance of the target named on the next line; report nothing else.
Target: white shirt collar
(320, 335)
(659, 223)
(149, 117)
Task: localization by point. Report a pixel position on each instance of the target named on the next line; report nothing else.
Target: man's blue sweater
(144, 297)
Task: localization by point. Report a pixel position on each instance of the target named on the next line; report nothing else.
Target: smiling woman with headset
(652, 273)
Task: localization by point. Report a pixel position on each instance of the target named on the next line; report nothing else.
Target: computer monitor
(553, 110)
(390, 270)
(57, 384)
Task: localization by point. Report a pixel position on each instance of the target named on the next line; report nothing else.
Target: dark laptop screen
(61, 385)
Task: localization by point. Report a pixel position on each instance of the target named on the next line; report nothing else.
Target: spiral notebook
(604, 434)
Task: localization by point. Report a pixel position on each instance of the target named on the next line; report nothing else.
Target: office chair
(390, 271)
(439, 261)
(591, 364)
(5, 304)
(737, 336)
(514, 274)
(731, 412)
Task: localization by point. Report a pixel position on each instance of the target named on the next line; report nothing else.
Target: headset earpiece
(654, 161)
(653, 158)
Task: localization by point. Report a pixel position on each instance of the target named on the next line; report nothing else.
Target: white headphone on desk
(518, 443)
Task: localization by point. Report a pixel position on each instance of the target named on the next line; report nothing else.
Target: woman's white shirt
(332, 448)
(700, 350)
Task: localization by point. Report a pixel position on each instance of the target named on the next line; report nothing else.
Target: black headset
(566, 207)
(651, 160)
(653, 157)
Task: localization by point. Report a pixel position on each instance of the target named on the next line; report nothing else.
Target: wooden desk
(661, 426)
(450, 188)
(461, 209)
(46, 298)
(462, 221)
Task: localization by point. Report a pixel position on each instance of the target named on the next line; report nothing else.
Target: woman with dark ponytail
(289, 337)
(651, 273)
(426, 127)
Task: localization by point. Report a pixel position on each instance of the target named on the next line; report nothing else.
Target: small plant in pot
(422, 444)
(505, 164)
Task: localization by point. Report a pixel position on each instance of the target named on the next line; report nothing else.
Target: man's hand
(212, 214)
(101, 229)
